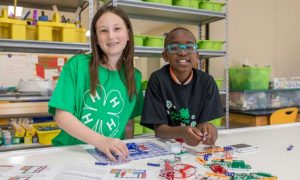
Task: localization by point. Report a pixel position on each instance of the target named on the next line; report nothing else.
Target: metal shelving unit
(177, 14)
(10, 45)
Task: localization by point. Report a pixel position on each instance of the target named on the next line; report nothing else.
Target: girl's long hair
(99, 57)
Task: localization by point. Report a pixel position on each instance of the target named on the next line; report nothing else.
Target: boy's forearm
(169, 132)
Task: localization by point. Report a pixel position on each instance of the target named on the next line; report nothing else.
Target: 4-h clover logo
(101, 112)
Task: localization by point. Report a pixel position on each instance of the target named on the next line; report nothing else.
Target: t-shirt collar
(177, 81)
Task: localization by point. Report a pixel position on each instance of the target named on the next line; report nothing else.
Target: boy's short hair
(168, 36)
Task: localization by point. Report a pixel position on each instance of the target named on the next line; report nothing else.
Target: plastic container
(139, 40)
(211, 6)
(45, 137)
(31, 32)
(56, 31)
(148, 130)
(138, 129)
(169, 2)
(154, 41)
(217, 122)
(219, 83)
(12, 28)
(249, 78)
(210, 45)
(187, 3)
(264, 99)
(80, 36)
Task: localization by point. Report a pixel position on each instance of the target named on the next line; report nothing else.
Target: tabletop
(272, 157)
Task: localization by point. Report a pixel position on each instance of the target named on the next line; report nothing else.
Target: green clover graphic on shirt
(101, 112)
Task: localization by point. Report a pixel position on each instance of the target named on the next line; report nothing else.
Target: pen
(101, 163)
(153, 164)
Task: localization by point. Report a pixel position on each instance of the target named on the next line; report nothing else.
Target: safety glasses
(175, 48)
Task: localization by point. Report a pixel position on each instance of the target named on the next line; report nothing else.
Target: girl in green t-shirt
(97, 94)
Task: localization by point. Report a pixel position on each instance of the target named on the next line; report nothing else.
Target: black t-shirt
(167, 102)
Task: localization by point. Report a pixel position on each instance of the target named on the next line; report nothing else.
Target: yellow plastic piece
(29, 130)
(80, 35)
(19, 131)
(31, 32)
(286, 115)
(45, 137)
(28, 140)
(55, 30)
(12, 28)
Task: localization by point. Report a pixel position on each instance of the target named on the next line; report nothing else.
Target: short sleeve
(153, 109)
(137, 111)
(63, 96)
(212, 103)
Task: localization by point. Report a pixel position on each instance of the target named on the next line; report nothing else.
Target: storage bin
(154, 41)
(211, 6)
(80, 36)
(31, 32)
(148, 130)
(168, 2)
(138, 129)
(45, 136)
(249, 78)
(56, 31)
(219, 83)
(210, 45)
(187, 3)
(264, 99)
(12, 28)
(217, 122)
(139, 40)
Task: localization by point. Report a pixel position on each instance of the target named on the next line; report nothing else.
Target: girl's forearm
(75, 128)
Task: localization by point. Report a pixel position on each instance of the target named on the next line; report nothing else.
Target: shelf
(168, 13)
(14, 147)
(24, 109)
(9, 45)
(156, 52)
(18, 97)
(47, 4)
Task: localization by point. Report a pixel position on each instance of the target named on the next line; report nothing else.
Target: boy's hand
(110, 146)
(192, 136)
(210, 133)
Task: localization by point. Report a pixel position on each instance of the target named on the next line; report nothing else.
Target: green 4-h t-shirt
(107, 112)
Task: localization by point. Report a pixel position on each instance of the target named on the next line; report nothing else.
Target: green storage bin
(138, 129)
(210, 45)
(147, 130)
(211, 6)
(249, 78)
(187, 3)
(139, 40)
(219, 83)
(168, 2)
(154, 41)
(217, 122)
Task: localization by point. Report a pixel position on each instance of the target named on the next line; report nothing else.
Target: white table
(272, 157)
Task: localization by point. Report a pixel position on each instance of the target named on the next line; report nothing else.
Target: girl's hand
(192, 136)
(210, 133)
(113, 147)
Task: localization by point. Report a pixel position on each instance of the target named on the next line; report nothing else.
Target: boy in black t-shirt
(181, 100)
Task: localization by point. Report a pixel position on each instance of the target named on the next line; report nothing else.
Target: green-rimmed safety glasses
(175, 48)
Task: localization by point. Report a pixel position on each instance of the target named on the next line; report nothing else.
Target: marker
(101, 163)
(153, 164)
(290, 147)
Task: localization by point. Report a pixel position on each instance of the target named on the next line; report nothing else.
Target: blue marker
(290, 147)
(101, 163)
(153, 164)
